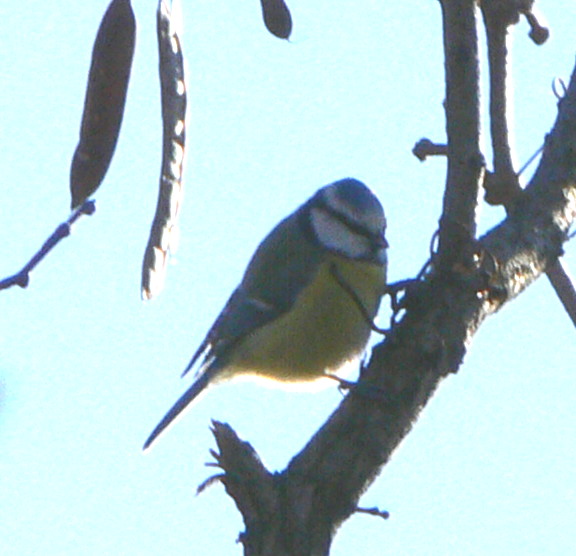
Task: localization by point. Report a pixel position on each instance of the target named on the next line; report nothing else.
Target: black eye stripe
(350, 224)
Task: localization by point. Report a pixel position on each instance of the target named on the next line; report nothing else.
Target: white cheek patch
(336, 236)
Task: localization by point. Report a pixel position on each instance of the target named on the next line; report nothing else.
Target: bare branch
(465, 161)
(22, 278)
(163, 238)
(563, 285)
(544, 212)
(503, 186)
(374, 511)
(538, 33)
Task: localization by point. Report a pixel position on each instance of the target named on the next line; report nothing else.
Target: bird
(306, 303)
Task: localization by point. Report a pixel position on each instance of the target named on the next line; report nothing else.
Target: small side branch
(22, 278)
(425, 148)
(502, 186)
(564, 287)
(377, 512)
(538, 32)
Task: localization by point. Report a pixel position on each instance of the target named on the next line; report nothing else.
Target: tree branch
(321, 486)
(465, 161)
(502, 186)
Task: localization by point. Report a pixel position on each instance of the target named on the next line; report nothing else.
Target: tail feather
(185, 400)
(199, 352)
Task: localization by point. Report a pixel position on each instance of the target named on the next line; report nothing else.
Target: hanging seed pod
(105, 99)
(277, 18)
(163, 238)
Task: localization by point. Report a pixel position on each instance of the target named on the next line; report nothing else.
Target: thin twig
(564, 287)
(425, 148)
(530, 160)
(374, 511)
(22, 278)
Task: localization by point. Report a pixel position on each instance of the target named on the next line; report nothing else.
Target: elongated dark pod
(105, 98)
(163, 237)
(277, 18)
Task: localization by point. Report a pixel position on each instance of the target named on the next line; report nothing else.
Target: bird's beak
(382, 241)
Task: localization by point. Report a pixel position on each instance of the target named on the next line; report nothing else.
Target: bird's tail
(185, 400)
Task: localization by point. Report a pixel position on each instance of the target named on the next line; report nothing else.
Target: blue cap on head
(357, 196)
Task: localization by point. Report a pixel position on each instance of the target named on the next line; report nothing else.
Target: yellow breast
(323, 330)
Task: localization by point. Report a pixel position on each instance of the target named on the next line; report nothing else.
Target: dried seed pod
(105, 98)
(277, 18)
(164, 232)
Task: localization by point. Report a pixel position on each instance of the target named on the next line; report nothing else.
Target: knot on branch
(504, 13)
(462, 260)
(457, 248)
(258, 494)
(502, 188)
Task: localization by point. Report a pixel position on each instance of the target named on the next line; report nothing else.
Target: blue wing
(284, 263)
(279, 270)
(240, 316)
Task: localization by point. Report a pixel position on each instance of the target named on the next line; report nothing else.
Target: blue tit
(306, 303)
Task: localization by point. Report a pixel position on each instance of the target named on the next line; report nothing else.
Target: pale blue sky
(87, 369)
